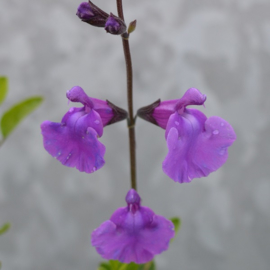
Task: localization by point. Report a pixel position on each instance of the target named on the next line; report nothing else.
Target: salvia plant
(197, 146)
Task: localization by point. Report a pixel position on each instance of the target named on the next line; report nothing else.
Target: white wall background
(221, 47)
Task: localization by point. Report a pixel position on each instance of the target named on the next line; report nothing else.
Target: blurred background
(221, 47)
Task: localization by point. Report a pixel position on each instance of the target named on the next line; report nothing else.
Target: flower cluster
(91, 14)
(197, 145)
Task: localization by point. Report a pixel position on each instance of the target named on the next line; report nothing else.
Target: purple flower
(74, 141)
(90, 13)
(197, 145)
(114, 25)
(133, 233)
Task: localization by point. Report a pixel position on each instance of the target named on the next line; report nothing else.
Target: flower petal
(212, 145)
(163, 112)
(197, 145)
(91, 119)
(165, 109)
(191, 97)
(133, 236)
(77, 94)
(103, 109)
(74, 142)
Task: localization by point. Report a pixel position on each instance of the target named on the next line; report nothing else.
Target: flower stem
(131, 122)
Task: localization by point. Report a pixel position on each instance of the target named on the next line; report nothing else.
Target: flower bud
(115, 26)
(90, 13)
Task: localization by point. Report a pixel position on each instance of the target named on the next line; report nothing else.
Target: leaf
(116, 265)
(104, 266)
(4, 228)
(148, 266)
(3, 88)
(17, 113)
(130, 266)
(177, 224)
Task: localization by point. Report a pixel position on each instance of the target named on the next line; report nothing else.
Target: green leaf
(130, 266)
(3, 88)
(148, 266)
(4, 228)
(116, 265)
(104, 266)
(177, 224)
(17, 113)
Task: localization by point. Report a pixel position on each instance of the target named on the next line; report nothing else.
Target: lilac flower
(133, 233)
(74, 141)
(90, 13)
(114, 25)
(197, 145)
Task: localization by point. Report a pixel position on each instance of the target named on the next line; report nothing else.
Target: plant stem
(131, 122)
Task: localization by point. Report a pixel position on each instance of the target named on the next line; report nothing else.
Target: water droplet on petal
(93, 169)
(71, 110)
(59, 153)
(215, 132)
(222, 124)
(97, 122)
(177, 123)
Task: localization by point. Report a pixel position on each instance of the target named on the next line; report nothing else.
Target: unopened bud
(114, 25)
(132, 26)
(90, 13)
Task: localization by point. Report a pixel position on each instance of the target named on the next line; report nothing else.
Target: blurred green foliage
(14, 115)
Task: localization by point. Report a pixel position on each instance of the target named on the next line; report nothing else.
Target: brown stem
(120, 9)
(131, 123)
